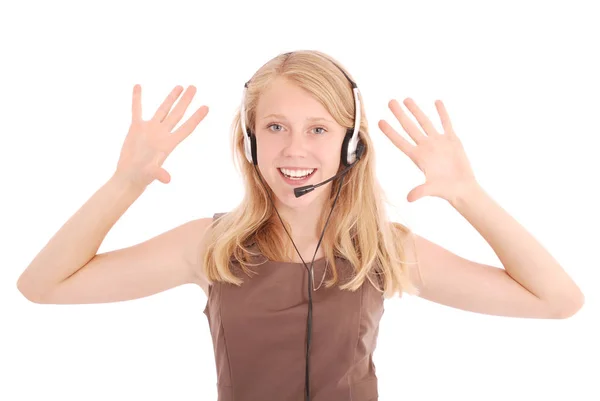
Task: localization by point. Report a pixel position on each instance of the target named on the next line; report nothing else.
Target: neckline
(317, 262)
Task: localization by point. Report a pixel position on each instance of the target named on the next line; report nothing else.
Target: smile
(299, 176)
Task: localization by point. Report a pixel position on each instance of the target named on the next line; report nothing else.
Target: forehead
(288, 99)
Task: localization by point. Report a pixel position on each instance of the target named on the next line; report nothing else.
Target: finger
(423, 120)
(409, 126)
(190, 125)
(163, 176)
(179, 110)
(166, 105)
(418, 192)
(445, 117)
(396, 138)
(136, 104)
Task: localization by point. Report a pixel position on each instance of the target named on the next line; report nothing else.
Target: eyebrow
(308, 119)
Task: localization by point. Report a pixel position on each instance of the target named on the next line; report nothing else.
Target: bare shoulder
(410, 242)
(197, 230)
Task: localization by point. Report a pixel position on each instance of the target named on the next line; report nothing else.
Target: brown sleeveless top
(259, 335)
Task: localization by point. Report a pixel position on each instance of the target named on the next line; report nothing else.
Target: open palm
(440, 157)
(149, 142)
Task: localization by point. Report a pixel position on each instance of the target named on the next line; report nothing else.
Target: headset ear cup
(344, 155)
(253, 149)
(360, 149)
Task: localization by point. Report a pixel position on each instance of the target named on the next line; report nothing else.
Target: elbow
(31, 298)
(28, 294)
(569, 306)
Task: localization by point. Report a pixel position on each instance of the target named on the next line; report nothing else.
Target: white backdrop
(519, 79)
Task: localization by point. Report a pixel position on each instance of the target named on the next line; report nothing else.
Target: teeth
(296, 173)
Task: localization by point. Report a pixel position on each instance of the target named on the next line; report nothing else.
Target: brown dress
(259, 335)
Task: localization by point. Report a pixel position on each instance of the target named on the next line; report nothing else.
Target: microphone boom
(308, 188)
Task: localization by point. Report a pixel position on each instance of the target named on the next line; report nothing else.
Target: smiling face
(295, 132)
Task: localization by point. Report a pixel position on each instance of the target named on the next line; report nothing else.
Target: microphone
(308, 188)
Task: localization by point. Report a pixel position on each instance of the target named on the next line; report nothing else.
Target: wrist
(125, 184)
(465, 192)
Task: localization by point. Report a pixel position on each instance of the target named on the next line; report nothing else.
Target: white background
(519, 79)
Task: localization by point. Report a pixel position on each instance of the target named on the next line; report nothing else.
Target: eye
(273, 125)
(321, 129)
(279, 128)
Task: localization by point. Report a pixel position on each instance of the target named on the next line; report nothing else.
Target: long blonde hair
(358, 229)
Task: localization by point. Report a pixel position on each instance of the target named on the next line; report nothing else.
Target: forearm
(521, 255)
(79, 239)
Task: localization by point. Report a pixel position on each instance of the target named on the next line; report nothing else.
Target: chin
(287, 197)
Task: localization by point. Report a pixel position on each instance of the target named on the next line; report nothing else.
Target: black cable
(310, 273)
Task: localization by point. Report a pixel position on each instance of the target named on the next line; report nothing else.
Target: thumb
(163, 176)
(418, 192)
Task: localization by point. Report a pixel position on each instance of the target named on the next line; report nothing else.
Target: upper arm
(165, 261)
(448, 279)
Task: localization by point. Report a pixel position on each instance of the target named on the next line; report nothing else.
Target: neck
(303, 224)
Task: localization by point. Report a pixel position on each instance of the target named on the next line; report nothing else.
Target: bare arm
(68, 270)
(78, 240)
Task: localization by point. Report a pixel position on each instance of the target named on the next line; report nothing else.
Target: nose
(295, 144)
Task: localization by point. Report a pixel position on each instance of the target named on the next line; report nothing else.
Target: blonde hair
(358, 229)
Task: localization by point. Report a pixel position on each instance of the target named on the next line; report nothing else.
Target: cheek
(265, 152)
(331, 156)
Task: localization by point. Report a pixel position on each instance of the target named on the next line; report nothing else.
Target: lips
(296, 182)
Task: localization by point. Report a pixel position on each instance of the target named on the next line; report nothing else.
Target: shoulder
(411, 244)
(195, 236)
(199, 230)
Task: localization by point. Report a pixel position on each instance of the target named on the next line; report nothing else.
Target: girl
(311, 231)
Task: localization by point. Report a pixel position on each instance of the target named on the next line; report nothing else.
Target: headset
(352, 150)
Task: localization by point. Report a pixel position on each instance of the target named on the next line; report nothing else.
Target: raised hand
(440, 157)
(149, 143)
